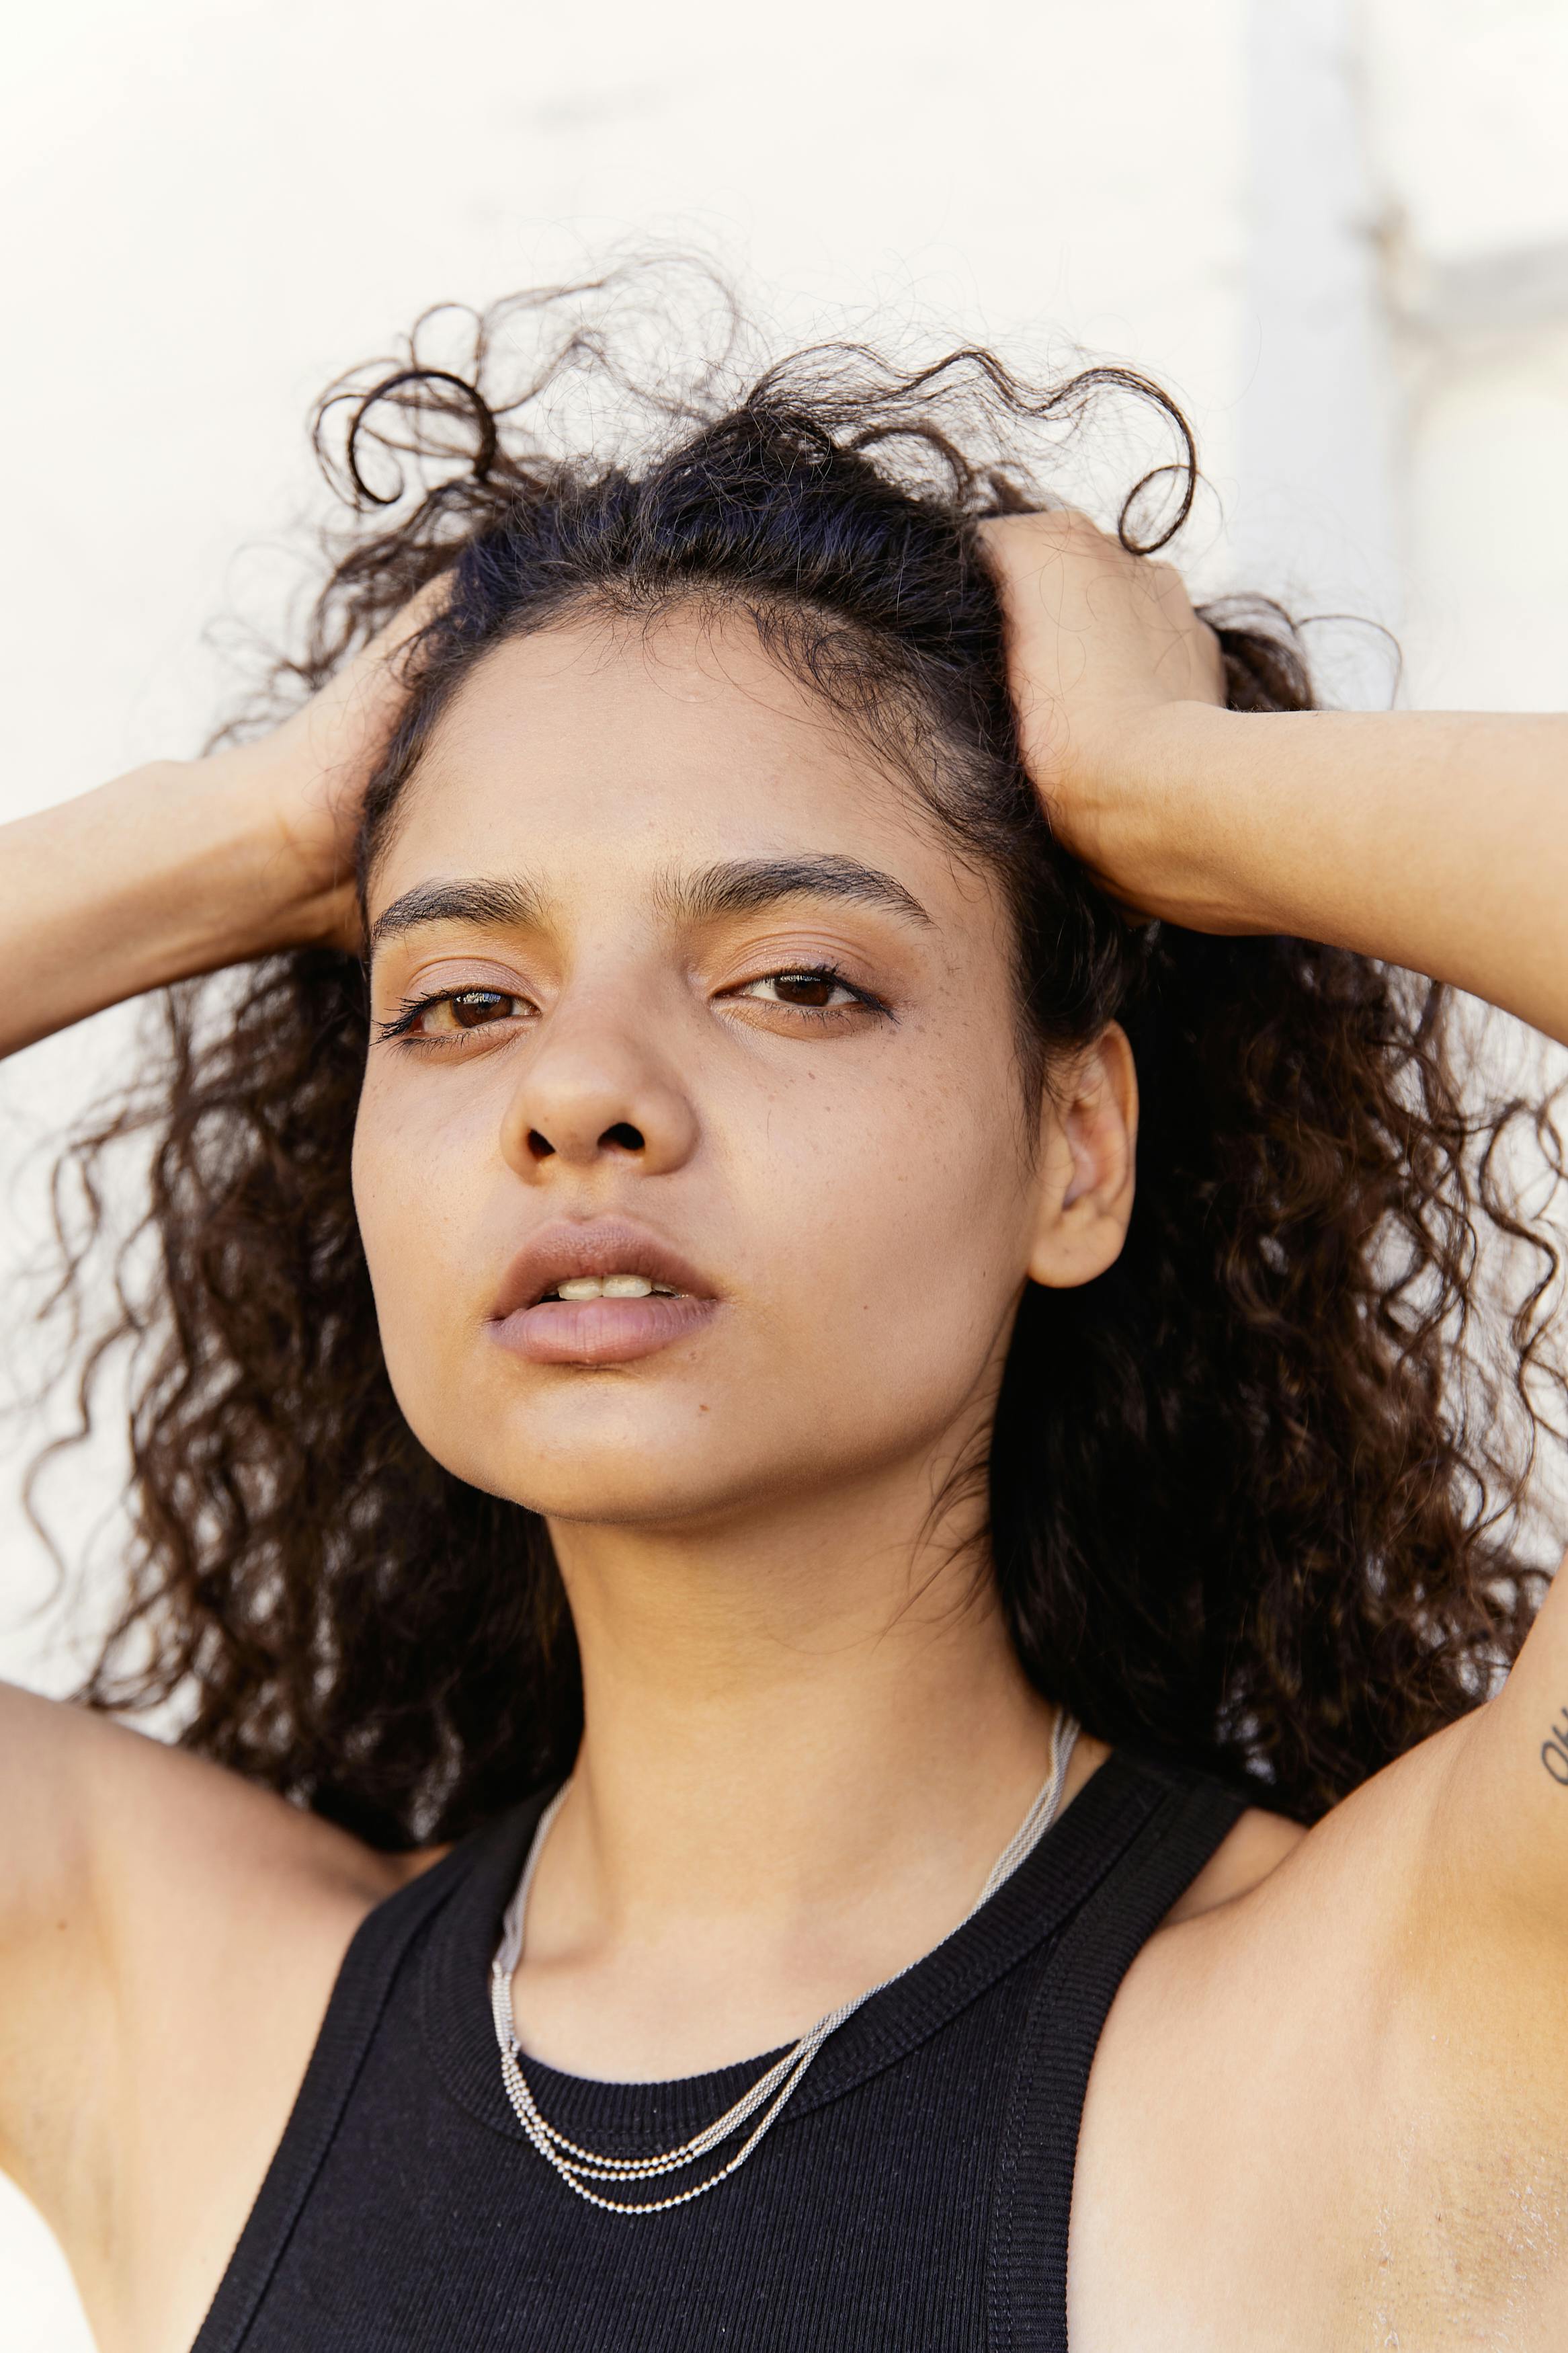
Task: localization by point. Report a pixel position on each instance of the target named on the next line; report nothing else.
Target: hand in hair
(183, 866)
(308, 779)
(1435, 840)
(1098, 640)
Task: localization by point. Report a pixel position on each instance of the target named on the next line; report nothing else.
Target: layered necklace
(588, 2172)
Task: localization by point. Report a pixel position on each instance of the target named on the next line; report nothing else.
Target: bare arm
(126, 1869)
(1436, 840)
(184, 866)
(167, 871)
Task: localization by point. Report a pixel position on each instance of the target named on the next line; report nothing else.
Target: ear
(1088, 1136)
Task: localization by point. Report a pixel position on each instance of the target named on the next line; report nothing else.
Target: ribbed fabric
(913, 2198)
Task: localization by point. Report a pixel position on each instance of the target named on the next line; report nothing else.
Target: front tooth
(627, 1286)
(582, 1286)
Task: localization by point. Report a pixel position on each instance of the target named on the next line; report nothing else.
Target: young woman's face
(674, 991)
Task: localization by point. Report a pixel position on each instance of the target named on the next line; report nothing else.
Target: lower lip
(600, 1331)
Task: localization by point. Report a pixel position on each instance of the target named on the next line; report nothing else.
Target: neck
(807, 1740)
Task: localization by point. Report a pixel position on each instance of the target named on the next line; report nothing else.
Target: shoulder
(1255, 1844)
(1336, 2060)
(105, 1815)
(1299, 1904)
(170, 1936)
(143, 1888)
(1261, 2005)
(1258, 1843)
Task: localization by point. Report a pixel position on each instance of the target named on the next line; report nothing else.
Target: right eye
(471, 1008)
(455, 1013)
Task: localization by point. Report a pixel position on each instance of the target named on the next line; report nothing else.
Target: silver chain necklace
(579, 2168)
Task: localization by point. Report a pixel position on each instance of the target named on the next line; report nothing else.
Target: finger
(1057, 530)
(357, 706)
(409, 620)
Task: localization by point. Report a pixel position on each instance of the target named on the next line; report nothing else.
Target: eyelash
(829, 973)
(408, 1012)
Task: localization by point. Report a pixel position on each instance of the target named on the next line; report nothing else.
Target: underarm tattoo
(1554, 1750)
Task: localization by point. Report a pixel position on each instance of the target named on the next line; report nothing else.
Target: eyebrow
(742, 886)
(514, 906)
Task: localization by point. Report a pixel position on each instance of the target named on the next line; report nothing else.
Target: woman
(666, 1415)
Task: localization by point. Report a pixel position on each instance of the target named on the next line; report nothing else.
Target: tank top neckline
(404, 2209)
(632, 2118)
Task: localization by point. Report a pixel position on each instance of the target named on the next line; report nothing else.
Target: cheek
(898, 1221)
(875, 1225)
(413, 1182)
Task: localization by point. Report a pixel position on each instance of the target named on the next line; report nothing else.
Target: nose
(593, 1095)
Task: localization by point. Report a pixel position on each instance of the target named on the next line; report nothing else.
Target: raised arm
(183, 866)
(124, 1865)
(1437, 840)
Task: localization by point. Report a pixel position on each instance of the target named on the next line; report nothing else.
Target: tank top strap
(1184, 1816)
(359, 1997)
(1095, 1888)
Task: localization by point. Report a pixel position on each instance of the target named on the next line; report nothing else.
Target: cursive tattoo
(1554, 1750)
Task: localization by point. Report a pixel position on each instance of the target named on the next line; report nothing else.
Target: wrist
(287, 889)
(188, 868)
(1157, 820)
(1252, 821)
(186, 861)
(172, 869)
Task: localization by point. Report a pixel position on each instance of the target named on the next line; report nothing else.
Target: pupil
(805, 988)
(474, 1006)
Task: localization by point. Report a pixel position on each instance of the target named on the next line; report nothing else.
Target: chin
(618, 1494)
(622, 1476)
(649, 1471)
(602, 1447)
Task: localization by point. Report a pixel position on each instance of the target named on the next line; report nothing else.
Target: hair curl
(1256, 1493)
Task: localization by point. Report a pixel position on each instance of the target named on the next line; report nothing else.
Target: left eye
(817, 991)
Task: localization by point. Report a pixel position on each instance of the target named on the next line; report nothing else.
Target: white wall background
(1338, 231)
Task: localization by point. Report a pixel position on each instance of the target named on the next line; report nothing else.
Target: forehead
(618, 750)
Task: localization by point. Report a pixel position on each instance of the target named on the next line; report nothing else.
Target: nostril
(539, 1145)
(624, 1135)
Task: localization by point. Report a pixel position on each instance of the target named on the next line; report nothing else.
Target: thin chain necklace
(579, 2168)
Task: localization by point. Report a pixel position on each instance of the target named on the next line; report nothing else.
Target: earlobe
(1087, 1164)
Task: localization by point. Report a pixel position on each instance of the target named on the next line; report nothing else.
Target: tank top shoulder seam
(1078, 1980)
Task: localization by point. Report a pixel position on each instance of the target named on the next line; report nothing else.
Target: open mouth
(609, 1286)
(600, 1292)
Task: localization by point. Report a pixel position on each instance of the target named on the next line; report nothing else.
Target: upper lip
(606, 1246)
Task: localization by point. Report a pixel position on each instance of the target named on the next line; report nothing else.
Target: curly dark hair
(1255, 1493)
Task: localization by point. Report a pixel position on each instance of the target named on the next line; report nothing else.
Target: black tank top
(913, 2198)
